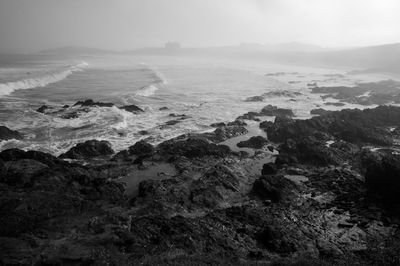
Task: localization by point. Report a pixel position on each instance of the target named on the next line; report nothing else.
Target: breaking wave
(158, 80)
(146, 91)
(30, 83)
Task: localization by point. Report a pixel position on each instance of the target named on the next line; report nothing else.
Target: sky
(33, 25)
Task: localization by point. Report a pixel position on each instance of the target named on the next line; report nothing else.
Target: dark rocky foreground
(325, 199)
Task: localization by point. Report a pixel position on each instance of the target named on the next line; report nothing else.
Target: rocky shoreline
(329, 197)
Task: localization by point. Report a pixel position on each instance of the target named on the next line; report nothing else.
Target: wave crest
(9, 87)
(146, 91)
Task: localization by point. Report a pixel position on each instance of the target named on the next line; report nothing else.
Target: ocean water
(207, 90)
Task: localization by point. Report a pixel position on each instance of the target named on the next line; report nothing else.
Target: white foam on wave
(9, 87)
(151, 89)
(147, 91)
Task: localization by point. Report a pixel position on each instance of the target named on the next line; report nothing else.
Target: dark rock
(309, 151)
(381, 92)
(21, 172)
(271, 110)
(214, 186)
(237, 122)
(274, 187)
(65, 106)
(178, 115)
(249, 116)
(382, 178)
(319, 111)
(167, 191)
(354, 126)
(163, 108)
(254, 99)
(42, 109)
(88, 149)
(256, 142)
(266, 124)
(90, 102)
(17, 154)
(144, 132)
(6, 133)
(192, 147)
(172, 122)
(226, 132)
(269, 169)
(123, 155)
(131, 108)
(220, 124)
(141, 148)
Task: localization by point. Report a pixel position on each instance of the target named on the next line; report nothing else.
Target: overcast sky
(31, 25)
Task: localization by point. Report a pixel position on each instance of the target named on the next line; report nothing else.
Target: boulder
(269, 169)
(225, 132)
(308, 150)
(271, 110)
(255, 142)
(319, 111)
(42, 109)
(254, 99)
(274, 187)
(21, 172)
(356, 126)
(220, 124)
(17, 154)
(88, 149)
(90, 102)
(192, 146)
(131, 108)
(141, 148)
(6, 133)
(214, 187)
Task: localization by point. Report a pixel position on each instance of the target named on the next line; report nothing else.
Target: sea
(205, 89)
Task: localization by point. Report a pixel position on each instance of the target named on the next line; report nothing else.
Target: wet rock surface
(382, 92)
(89, 148)
(256, 142)
(6, 133)
(367, 126)
(325, 199)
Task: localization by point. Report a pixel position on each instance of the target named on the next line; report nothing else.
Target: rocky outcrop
(382, 92)
(309, 150)
(356, 126)
(192, 146)
(89, 149)
(131, 108)
(382, 178)
(274, 188)
(269, 169)
(319, 111)
(255, 142)
(90, 102)
(215, 209)
(254, 99)
(141, 148)
(223, 133)
(271, 110)
(6, 133)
